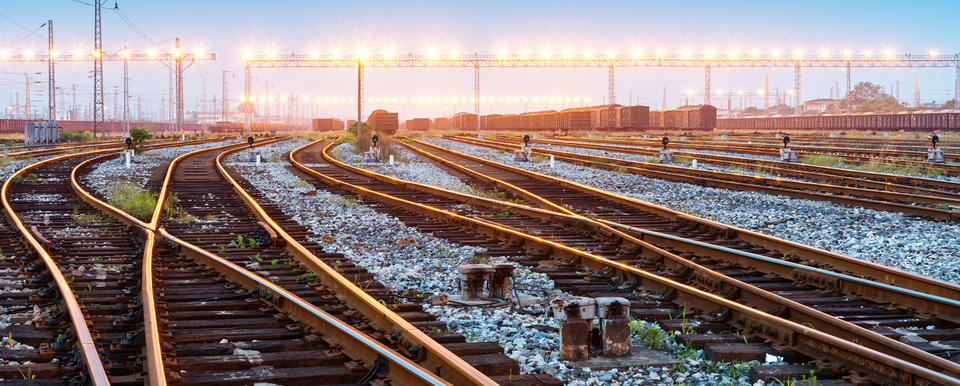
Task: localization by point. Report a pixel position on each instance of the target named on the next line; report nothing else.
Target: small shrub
(76, 136)
(133, 200)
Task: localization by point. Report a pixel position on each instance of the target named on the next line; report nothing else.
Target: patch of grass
(302, 184)
(173, 211)
(132, 199)
(75, 136)
(820, 160)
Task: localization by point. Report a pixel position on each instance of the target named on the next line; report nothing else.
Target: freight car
(604, 118)
(927, 120)
(441, 123)
(327, 124)
(418, 124)
(383, 122)
(465, 122)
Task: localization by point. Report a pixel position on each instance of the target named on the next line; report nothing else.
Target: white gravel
(536, 350)
(413, 168)
(913, 244)
(141, 167)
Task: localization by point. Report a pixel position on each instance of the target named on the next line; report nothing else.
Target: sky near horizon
(231, 28)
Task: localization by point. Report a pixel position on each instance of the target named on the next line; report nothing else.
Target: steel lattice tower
(51, 96)
(97, 71)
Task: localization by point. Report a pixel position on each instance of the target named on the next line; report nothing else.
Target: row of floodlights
(586, 54)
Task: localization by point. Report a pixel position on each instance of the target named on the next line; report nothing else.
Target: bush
(138, 137)
(68, 136)
(133, 200)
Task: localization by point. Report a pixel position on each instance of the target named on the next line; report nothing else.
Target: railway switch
(787, 154)
(373, 155)
(523, 155)
(935, 154)
(666, 156)
(472, 279)
(614, 326)
(499, 284)
(576, 320)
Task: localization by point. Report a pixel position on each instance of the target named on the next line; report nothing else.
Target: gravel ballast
(910, 243)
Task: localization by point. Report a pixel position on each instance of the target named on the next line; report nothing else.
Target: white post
(391, 159)
(182, 137)
(126, 155)
(258, 159)
(424, 137)
(694, 163)
(551, 161)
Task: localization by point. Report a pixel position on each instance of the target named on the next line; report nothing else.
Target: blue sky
(229, 28)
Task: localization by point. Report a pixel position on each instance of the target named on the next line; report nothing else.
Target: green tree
(861, 93)
(951, 104)
(353, 128)
(882, 105)
(781, 109)
(138, 137)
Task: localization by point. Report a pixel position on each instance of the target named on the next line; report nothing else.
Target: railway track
(840, 176)
(890, 158)
(589, 280)
(915, 204)
(67, 281)
(217, 328)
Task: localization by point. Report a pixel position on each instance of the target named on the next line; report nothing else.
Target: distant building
(821, 105)
(931, 105)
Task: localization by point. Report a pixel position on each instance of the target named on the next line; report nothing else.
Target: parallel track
(600, 279)
(868, 198)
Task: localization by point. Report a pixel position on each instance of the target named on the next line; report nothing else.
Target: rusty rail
(370, 350)
(431, 354)
(893, 182)
(706, 302)
(839, 262)
(85, 342)
(847, 284)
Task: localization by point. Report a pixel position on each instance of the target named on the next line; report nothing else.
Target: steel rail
(85, 342)
(398, 368)
(889, 182)
(450, 367)
(762, 323)
(358, 343)
(725, 180)
(773, 149)
(788, 270)
(951, 169)
(838, 262)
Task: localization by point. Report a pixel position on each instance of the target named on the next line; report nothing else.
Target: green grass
(820, 160)
(132, 199)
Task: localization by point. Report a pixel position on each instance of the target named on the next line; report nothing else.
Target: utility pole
(266, 101)
(74, 115)
(51, 100)
(706, 86)
(126, 92)
(664, 99)
(898, 91)
(916, 91)
(179, 70)
(97, 71)
(139, 108)
(168, 116)
(26, 106)
(359, 100)
(613, 94)
(204, 110)
(766, 95)
(225, 94)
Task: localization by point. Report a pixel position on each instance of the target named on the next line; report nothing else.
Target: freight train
(927, 120)
(605, 118)
(383, 122)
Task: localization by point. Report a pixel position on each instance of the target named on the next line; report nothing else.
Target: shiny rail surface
(778, 247)
(394, 366)
(844, 195)
(946, 309)
(847, 177)
(628, 273)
